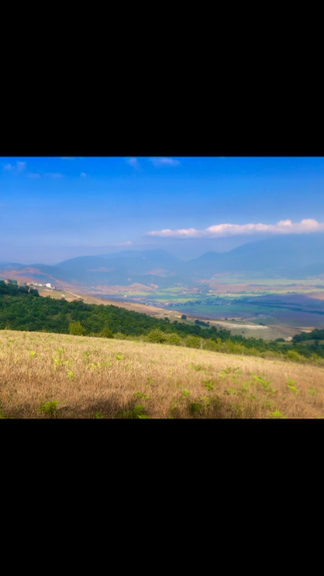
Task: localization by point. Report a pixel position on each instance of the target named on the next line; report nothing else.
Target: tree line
(21, 308)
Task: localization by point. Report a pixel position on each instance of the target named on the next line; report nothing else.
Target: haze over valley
(105, 261)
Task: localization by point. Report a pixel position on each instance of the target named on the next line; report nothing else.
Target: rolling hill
(62, 376)
(285, 256)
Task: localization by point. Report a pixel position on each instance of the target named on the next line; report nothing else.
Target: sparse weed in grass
(208, 385)
(264, 383)
(229, 371)
(24, 400)
(205, 400)
(246, 385)
(32, 353)
(268, 403)
(136, 413)
(292, 387)
(194, 408)
(195, 367)
(49, 408)
(277, 414)
(70, 375)
(99, 416)
(118, 356)
(92, 365)
(141, 395)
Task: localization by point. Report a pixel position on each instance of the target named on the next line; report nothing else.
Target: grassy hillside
(46, 375)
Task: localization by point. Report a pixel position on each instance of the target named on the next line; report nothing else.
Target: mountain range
(293, 256)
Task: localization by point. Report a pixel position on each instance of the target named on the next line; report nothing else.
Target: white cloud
(54, 174)
(15, 168)
(222, 230)
(158, 162)
(83, 175)
(132, 162)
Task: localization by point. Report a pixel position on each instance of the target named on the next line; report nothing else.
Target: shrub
(193, 342)
(173, 339)
(76, 329)
(213, 345)
(156, 335)
(119, 336)
(106, 333)
(293, 355)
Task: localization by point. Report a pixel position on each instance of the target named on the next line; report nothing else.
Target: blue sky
(56, 208)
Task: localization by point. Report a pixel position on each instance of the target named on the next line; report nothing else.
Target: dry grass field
(60, 376)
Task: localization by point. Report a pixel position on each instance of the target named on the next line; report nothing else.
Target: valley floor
(46, 375)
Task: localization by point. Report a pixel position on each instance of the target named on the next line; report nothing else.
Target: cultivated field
(59, 376)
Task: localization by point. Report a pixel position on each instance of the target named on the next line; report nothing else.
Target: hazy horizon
(54, 209)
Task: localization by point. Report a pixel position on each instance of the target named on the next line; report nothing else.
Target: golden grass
(108, 378)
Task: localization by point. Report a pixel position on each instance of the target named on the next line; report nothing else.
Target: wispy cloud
(33, 175)
(83, 175)
(53, 175)
(133, 162)
(15, 168)
(128, 243)
(67, 157)
(160, 162)
(222, 230)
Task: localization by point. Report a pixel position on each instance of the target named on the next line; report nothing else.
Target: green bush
(76, 328)
(173, 339)
(212, 345)
(119, 336)
(293, 355)
(156, 335)
(193, 342)
(106, 333)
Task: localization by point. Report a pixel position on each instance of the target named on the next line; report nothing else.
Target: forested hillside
(22, 308)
